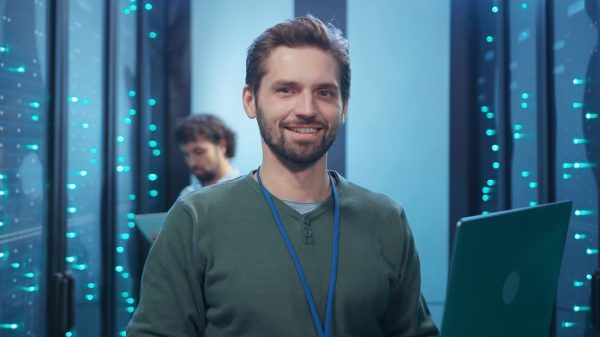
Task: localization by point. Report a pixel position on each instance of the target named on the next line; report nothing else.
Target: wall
(397, 127)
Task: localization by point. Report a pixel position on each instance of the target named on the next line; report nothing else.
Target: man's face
(204, 158)
(298, 104)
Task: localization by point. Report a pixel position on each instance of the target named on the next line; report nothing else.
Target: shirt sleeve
(407, 313)
(171, 297)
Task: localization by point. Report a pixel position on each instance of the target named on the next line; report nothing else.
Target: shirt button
(307, 231)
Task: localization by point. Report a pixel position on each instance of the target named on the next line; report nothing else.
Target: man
(291, 249)
(207, 145)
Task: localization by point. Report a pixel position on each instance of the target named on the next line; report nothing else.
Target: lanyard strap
(323, 331)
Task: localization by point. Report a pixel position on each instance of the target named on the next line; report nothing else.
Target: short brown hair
(298, 32)
(207, 126)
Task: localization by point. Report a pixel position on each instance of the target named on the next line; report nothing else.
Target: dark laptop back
(504, 272)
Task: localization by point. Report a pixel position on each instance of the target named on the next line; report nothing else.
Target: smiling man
(291, 249)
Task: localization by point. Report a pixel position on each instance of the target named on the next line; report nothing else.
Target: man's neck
(225, 169)
(293, 183)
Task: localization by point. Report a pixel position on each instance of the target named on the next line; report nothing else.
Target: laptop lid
(504, 272)
(149, 224)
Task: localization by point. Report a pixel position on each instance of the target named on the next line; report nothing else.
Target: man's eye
(284, 90)
(326, 93)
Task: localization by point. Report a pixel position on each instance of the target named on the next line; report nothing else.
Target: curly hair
(210, 127)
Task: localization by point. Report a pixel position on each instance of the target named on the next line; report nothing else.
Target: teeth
(304, 130)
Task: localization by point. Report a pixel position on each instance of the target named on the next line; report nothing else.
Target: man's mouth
(304, 130)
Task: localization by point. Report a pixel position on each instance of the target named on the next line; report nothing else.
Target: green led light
(130, 310)
(152, 177)
(518, 127)
(131, 224)
(124, 294)
(9, 326)
(153, 193)
(130, 216)
(3, 255)
(489, 39)
(91, 285)
(32, 147)
(583, 212)
(131, 197)
(120, 249)
(124, 236)
(485, 197)
(591, 251)
(30, 289)
(156, 152)
(120, 139)
(485, 108)
(29, 275)
(148, 6)
(127, 120)
(89, 297)
(524, 5)
(486, 189)
(131, 93)
(35, 118)
(35, 105)
(490, 132)
(71, 210)
(496, 165)
(20, 69)
(578, 284)
(133, 8)
(125, 275)
(123, 333)
(120, 168)
(94, 151)
(491, 182)
(495, 147)
(588, 277)
(152, 127)
(578, 81)
(15, 265)
(567, 324)
(132, 112)
(517, 135)
(121, 159)
(130, 301)
(533, 184)
(2, 176)
(532, 203)
(152, 35)
(68, 334)
(71, 186)
(524, 105)
(579, 140)
(489, 115)
(119, 269)
(3, 193)
(80, 267)
(71, 235)
(590, 115)
(71, 259)
(85, 125)
(524, 174)
(577, 308)
(524, 95)
(126, 11)
(579, 236)
(151, 102)
(153, 143)
(577, 105)
(495, 9)
(4, 49)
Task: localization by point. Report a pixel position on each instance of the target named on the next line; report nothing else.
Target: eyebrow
(325, 85)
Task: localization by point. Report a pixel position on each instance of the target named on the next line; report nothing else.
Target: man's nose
(307, 105)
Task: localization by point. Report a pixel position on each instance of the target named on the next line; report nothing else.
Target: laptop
(504, 272)
(150, 224)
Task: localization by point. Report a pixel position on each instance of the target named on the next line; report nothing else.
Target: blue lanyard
(323, 331)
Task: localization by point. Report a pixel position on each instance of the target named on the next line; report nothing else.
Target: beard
(294, 152)
(206, 176)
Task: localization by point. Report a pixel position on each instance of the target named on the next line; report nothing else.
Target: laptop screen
(504, 272)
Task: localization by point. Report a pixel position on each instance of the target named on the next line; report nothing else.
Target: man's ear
(344, 111)
(249, 101)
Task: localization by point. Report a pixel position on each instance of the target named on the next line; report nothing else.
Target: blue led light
(518, 127)
(33, 147)
(579, 236)
(126, 11)
(489, 115)
(577, 105)
(496, 165)
(577, 308)
(120, 168)
(20, 69)
(94, 150)
(15, 265)
(524, 95)
(35, 105)
(495, 147)
(127, 120)
(29, 275)
(489, 39)
(4, 49)
(153, 143)
(133, 8)
(533, 184)
(153, 193)
(131, 197)
(579, 141)
(71, 235)
(524, 5)
(9, 326)
(130, 301)
(131, 93)
(152, 177)
(71, 259)
(156, 152)
(491, 182)
(495, 9)
(517, 135)
(524, 105)
(85, 125)
(151, 102)
(119, 269)
(485, 108)
(131, 224)
(35, 118)
(152, 35)
(532, 203)
(578, 284)
(578, 81)
(567, 324)
(583, 212)
(485, 197)
(120, 250)
(124, 236)
(490, 132)
(130, 216)
(590, 115)
(132, 112)
(120, 139)
(591, 251)
(71, 210)
(89, 297)
(486, 189)
(91, 285)
(152, 127)
(148, 6)
(524, 174)
(130, 310)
